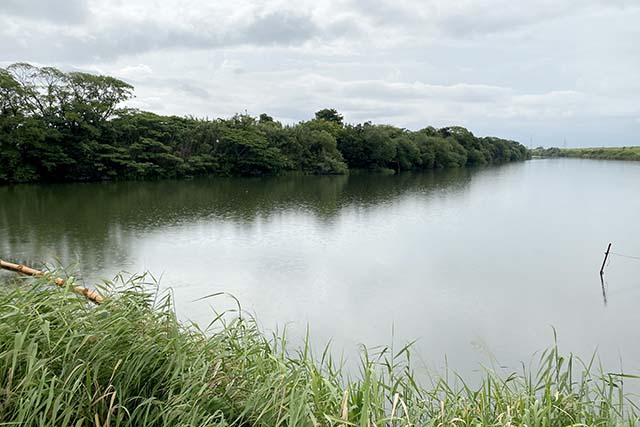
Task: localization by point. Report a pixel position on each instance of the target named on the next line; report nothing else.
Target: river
(478, 265)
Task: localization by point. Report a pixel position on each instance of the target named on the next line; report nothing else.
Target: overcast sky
(539, 71)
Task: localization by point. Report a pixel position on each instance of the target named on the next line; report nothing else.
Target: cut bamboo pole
(90, 294)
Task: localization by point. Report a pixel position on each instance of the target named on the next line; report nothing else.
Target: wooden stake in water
(606, 255)
(86, 292)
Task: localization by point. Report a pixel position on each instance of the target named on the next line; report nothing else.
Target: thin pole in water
(606, 255)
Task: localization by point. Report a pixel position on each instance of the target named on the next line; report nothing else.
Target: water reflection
(604, 289)
(95, 224)
(470, 262)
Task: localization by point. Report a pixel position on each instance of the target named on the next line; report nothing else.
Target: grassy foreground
(130, 362)
(601, 153)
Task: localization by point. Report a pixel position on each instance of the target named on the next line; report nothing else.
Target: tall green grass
(130, 362)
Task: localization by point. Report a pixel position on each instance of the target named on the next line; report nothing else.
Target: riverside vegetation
(57, 126)
(601, 153)
(130, 362)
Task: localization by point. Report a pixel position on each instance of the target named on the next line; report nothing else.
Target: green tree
(330, 115)
(265, 118)
(319, 147)
(57, 126)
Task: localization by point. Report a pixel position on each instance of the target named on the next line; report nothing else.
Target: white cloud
(512, 68)
(135, 71)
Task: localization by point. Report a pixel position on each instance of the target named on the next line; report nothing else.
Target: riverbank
(130, 362)
(69, 129)
(600, 153)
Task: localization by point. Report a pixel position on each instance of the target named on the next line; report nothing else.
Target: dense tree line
(599, 153)
(57, 126)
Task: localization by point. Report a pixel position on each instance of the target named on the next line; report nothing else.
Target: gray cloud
(132, 36)
(384, 12)
(56, 11)
(472, 18)
(508, 16)
(279, 28)
(511, 68)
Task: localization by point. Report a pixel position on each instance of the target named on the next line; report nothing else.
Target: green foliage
(57, 126)
(265, 118)
(330, 115)
(601, 153)
(130, 362)
(408, 153)
(320, 152)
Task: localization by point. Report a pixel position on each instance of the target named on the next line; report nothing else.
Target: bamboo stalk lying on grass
(81, 290)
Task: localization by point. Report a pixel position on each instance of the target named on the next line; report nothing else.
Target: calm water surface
(472, 263)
